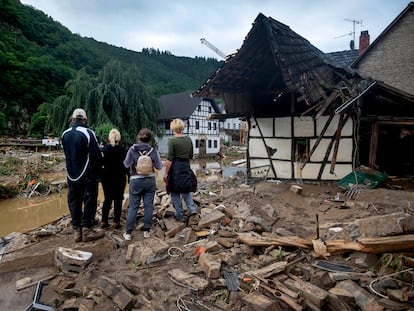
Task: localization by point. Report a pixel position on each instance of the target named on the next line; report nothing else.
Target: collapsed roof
(277, 72)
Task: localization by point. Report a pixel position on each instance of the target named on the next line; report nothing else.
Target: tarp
(362, 177)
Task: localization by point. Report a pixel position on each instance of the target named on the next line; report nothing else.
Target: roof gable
(342, 58)
(181, 105)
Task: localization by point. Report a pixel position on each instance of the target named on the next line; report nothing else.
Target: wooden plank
(341, 124)
(269, 156)
(269, 270)
(249, 239)
(313, 293)
(193, 282)
(373, 145)
(327, 103)
(388, 243)
(285, 298)
(365, 245)
(374, 245)
(318, 140)
(259, 301)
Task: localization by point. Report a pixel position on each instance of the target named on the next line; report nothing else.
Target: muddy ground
(278, 207)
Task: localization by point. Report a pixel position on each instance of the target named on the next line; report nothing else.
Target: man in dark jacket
(83, 163)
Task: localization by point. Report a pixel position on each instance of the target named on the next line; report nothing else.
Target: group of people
(87, 164)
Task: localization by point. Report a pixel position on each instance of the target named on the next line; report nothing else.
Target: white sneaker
(127, 236)
(146, 234)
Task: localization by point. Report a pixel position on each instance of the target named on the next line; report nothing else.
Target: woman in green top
(178, 174)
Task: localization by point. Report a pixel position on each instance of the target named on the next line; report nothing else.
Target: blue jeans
(178, 205)
(140, 188)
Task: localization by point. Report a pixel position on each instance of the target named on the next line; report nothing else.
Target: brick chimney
(363, 41)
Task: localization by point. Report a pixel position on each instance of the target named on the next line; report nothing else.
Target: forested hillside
(47, 71)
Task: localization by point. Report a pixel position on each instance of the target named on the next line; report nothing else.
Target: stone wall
(391, 60)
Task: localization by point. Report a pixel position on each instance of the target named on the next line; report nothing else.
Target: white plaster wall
(253, 130)
(266, 126)
(303, 127)
(344, 151)
(260, 168)
(283, 146)
(348, 128)
(257, 148)
(320, 123)
(283, 127)
(259, 162)
(340, 171)
(283, 169)
(311, 171)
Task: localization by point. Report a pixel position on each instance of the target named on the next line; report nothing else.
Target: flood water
(23, 214)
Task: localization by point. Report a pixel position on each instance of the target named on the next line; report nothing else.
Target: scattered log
(279, 291)
(259, 301)
(374, 245)
(269, 270)
(253, 240)
(285, 298)
(365, 245)
(314, 294)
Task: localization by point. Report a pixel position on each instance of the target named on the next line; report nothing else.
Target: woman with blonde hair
(178, 176)
(113, 178)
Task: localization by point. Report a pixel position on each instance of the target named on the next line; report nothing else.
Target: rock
(193, 282)
(211, 265)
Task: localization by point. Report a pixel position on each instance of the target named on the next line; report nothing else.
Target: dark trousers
(114, 192)
(84, 191)
(107, 206)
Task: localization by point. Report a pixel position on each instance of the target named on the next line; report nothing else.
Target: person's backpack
(144, 163)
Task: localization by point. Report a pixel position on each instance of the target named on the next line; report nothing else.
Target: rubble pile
(265, 246)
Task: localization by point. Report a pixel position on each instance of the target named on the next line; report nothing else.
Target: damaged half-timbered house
(304, 112)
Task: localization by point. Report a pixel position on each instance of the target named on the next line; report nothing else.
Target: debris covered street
(262, 245)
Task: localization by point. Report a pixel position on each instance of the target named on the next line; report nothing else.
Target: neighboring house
(194, 111)
(390, 58)
(343, 58)
(307, 117)
(232, 130)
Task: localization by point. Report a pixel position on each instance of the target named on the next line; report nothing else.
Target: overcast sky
(178, 25)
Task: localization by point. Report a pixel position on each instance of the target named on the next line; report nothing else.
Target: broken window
(301, 150)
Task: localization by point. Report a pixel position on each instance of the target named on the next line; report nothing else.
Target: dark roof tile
(181, 105)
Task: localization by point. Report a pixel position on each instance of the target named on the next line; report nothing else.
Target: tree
(3, 124)
(102, 132)
(121, 98)
(116, 97)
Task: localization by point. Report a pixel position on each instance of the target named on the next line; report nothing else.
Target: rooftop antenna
(352, 44)
(352, 33)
